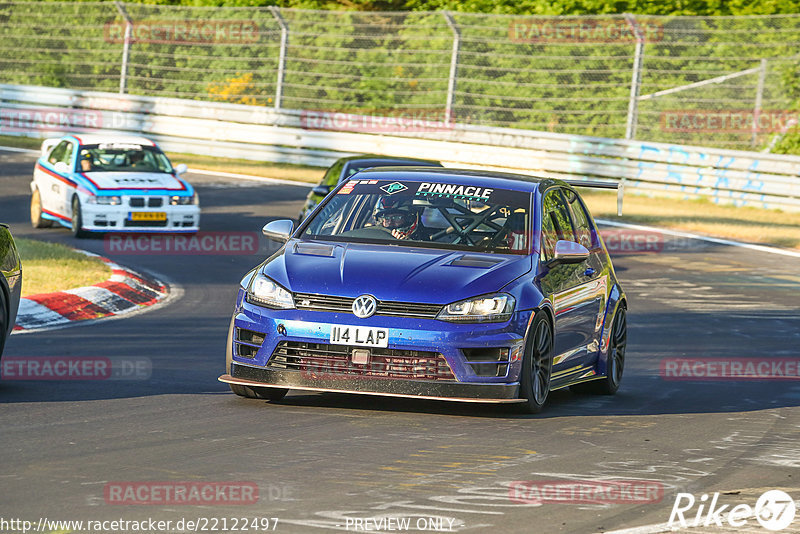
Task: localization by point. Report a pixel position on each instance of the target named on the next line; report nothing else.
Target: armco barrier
(260, 133)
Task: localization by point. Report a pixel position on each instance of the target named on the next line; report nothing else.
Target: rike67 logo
(774, 510)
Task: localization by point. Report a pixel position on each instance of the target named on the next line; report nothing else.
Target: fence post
(451, 82)
(282, 56)
(762, 75)
(126, 47)
(636, 78)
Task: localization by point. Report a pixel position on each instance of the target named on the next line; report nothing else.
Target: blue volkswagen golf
(433, 283)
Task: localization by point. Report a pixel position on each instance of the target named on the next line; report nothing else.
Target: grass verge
(20, 142)
(754, 225)
(48, 267)
(284, 171)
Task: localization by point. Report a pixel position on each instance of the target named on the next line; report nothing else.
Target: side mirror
(280, 230)
(180, 169)
(322, 190)
(61, 167)
(569, 252)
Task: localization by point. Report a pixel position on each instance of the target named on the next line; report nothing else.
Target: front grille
(136, 202)
(155, 202)
(323, 359)
(143, 224)
(311, 301)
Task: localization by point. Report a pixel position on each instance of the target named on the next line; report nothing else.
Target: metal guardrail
(297, 136)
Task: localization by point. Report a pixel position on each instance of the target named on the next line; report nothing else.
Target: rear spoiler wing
(619, 186)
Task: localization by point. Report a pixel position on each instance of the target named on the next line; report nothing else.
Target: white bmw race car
(100, 183)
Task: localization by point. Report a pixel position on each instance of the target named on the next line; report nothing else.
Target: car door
(65, 166)
(52, 189)
(572, 295)
(596, 275)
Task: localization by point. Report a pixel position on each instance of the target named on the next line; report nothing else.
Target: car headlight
(484, 309)
(107, 200)
(183, 201)
(265, 292)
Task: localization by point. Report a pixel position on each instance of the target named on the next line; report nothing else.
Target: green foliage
(513, 70)
(523, 7)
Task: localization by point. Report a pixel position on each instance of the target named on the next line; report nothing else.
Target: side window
(331, 178)
(583, 229)
(57, 154)
(68, 154)
(556, 224)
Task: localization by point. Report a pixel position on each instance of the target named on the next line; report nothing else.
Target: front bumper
(245, 375)
(106, 218)
(425, 358)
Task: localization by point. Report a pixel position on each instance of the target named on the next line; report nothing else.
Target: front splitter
(244, 375)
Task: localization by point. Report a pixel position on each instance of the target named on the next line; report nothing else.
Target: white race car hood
(134, 180)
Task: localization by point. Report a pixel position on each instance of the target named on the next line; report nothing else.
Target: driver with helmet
(399, 217)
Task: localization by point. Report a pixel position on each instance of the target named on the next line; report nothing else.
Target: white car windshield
(427, 214)
(116, 157)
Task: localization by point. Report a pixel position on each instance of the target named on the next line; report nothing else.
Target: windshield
(122, 157)
(430, 214)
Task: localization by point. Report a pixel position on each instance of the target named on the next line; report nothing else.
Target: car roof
(386, 159)
(500, 180)
(96, 139)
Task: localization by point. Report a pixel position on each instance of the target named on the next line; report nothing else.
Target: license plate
(148, 216)
(360, 336)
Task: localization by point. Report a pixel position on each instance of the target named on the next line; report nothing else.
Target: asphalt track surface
(319, 459)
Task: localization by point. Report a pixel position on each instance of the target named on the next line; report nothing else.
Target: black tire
(37, 221)
(616, 359)
(77, 219)
(537, 365)
(270, 394)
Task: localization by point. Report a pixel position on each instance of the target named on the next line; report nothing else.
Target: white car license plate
(359, 335)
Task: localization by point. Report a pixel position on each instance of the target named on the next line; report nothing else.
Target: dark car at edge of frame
(344, 168)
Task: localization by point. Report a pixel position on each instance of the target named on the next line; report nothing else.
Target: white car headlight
(484, 309)
(183, 201)
(265, 292)
(106, 200)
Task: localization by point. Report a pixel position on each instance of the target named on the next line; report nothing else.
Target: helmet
(396, 214)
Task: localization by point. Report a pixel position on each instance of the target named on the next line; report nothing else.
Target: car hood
(134, 180)
(397, 273)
